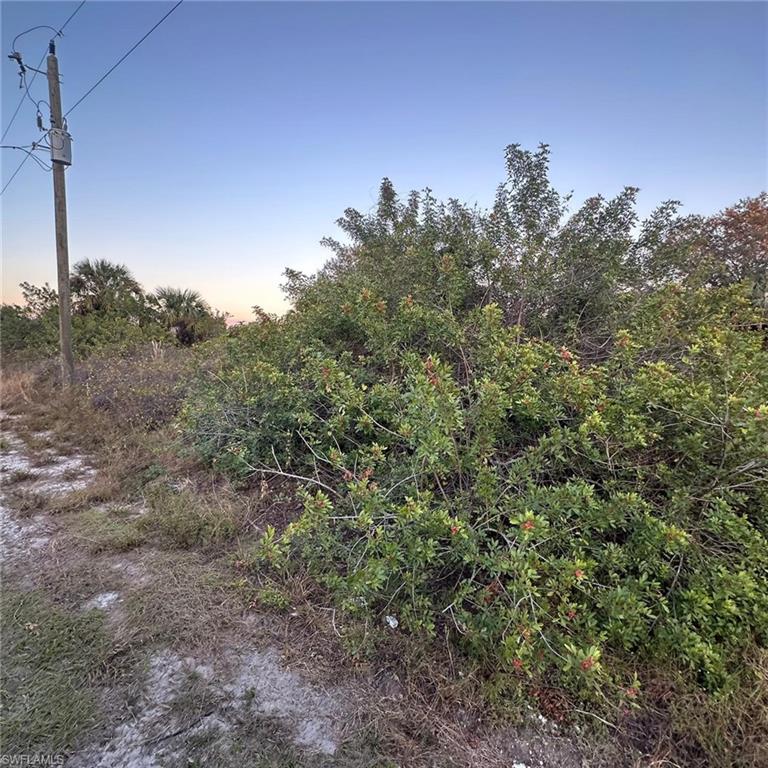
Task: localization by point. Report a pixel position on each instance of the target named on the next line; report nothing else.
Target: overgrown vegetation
(111, 313)
(541, 438)
(546, 435)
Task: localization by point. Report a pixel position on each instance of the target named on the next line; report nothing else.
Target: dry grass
(103, 488)
(189, 607)
(100, 532)
(18, 476)
(17, 387)
(730, 731)
(186, 519)
(26, 501)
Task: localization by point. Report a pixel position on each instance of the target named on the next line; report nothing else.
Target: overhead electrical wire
(33, 146)
(40, 64)
(21, 100)
(71, 16)
(13, 175)
(32, 29)
(35, 104)
(27, 155)
(84, 96)
(121, 59)
(16, 146)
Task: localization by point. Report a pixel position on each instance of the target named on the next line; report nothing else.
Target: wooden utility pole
(60, 214)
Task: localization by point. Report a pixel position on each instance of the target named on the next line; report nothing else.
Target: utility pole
(60, 158)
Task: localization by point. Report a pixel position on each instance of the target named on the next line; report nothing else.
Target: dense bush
(27, 337)
(548, 436)
(146, 387)
(111, 314)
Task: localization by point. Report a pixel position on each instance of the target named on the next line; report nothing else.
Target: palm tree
(101, 285)
(181, 310)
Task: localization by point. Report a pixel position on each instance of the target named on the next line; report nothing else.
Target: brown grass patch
(101, 532)
(189, 606)
(26, 501)
(730, 731)
(101, 489)
(17, 387)
(18, 476)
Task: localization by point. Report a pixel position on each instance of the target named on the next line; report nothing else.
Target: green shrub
(545, 511)
(566, 511)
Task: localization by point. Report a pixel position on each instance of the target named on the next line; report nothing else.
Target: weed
(27, 501)
(44, 459)
(185, 520)
(104, 488)
(262, 742)
(152, 472)
(103, 533)
(71, 474)
(273, 597)
(18, 476)
(50, 659)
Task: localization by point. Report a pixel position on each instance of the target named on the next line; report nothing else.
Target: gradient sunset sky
(225, 147)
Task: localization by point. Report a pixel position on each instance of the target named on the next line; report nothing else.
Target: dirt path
(170, 670)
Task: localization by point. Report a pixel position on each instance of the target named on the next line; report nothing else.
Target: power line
(23, 96)
(26, 148)
(35, 104)
(71, 16)
(122, 59)
(40, 64)
(16, 146)
(13, 176)
(31, 29)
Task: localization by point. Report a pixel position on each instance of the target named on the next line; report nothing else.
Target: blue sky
(226, 146)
